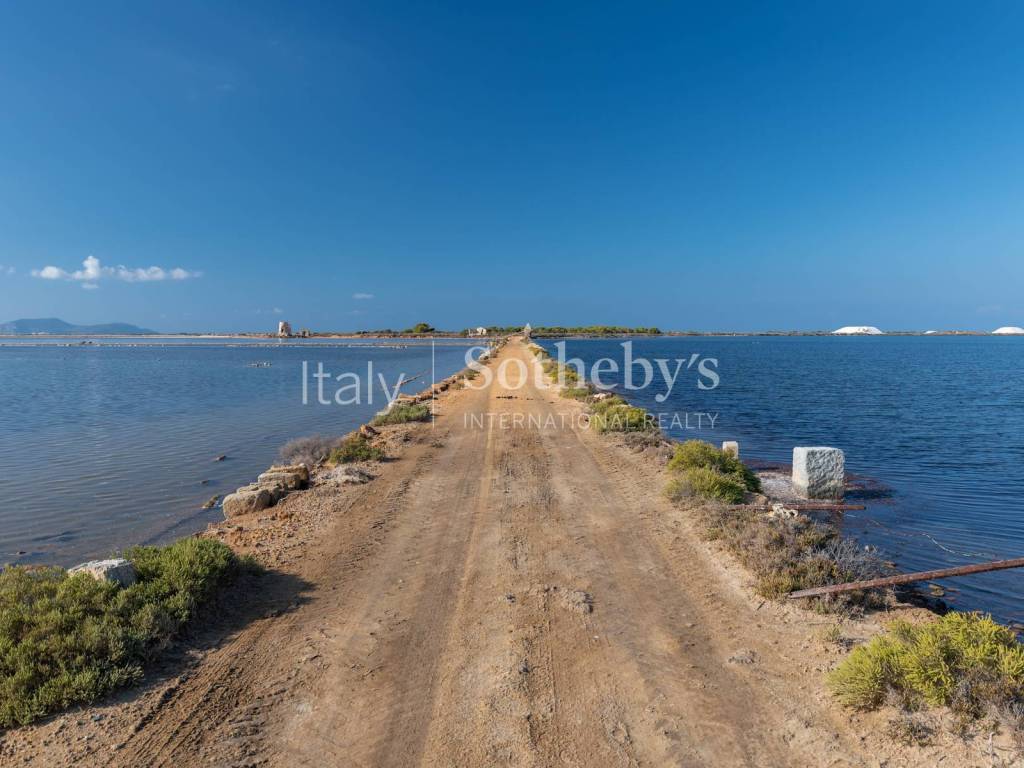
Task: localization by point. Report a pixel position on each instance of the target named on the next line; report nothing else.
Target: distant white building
(857, 330)
(527, 330)
(284, 328)
(1009, 330)
(481, 331)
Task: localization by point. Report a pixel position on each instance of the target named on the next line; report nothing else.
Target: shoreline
(490, 337)
(415, 574)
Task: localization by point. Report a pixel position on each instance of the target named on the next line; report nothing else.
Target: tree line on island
(426, 329)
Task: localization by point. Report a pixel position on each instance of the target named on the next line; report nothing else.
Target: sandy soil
(506, 595)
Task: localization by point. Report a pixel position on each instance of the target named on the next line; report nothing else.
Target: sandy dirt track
(500, 595)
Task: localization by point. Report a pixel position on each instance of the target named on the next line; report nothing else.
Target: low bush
(576, 393)
(707, 484)
(402, 413)
(964, 661)
(355, 448)
(602, 406)
(697, 454)
(68, 640)
(309, 450)
(564, 375)
(622, 418)
(787, 554)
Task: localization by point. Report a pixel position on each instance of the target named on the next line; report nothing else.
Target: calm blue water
(936, 422)
(107, 445)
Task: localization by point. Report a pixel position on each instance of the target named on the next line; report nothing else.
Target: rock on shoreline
(117, 570)
(270, 487)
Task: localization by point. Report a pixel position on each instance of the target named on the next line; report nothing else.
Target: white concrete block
(819, 472)
(731, 446)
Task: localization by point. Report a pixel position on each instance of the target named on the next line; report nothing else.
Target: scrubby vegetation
(706, 483)
(785, 553)
(577, 393)
(572, 383)
(355, 448)
(791, 553)
(68, 640)
(402, 413)
(964, 661)
(605, 405)
(622, 418)
(700, 469)
(309, 450)
(565, 375)
(612, 414)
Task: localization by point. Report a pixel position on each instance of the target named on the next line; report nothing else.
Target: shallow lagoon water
(113, 442)
(935, 425)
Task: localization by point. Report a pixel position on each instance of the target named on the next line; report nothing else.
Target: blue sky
(749, 166)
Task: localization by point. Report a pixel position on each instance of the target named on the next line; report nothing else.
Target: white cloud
(93, 271)
(51, 273)
(362, 296)
(278, 311)
(7, 270)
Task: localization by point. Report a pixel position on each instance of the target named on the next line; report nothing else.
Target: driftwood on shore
(909, 578)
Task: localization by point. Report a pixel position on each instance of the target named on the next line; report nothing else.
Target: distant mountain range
(53, 326)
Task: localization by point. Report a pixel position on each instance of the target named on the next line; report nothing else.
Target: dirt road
(503, 594)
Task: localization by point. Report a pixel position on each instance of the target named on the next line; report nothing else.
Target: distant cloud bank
(362, 295)
(93, 271)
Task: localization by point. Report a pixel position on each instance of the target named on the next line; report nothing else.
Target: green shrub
(402, 413)
(963, 660)
(569, 374)
(622, 418)
(355, 448)
(576, 393)
(561, 374)
(697, 453)
(709, 484)
(68, 640)
(602, 406)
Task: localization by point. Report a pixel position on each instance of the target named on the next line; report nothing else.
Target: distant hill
(53, 326)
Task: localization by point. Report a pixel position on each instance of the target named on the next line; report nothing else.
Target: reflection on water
(109, 444)
(933, 427)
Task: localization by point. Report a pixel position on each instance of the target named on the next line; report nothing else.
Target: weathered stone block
(245, 502)
(300, 469)
(116, 569)
(291, 481)
(819, 472)
(731, 447)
